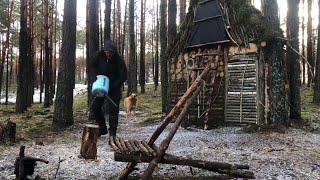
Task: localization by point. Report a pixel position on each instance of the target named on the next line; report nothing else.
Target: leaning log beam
(131, 167)
(165, 143)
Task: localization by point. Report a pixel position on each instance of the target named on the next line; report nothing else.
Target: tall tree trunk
(132, 78)
(93, 41)
(309, 44)
(107, 20)
(51, 27)
(114, 34)
(124, 29)
(293, 63)
(63, 113)
(46, 74)
(172, 34)
(316, 96)
(100, 25)
(183, 7)
(275, 59)
(303, 48)
(21, 102)
(31, 53)
(156, 60)
(5, 48)
(163, 57)
(119, 25)
(55, 46)
(142, 48)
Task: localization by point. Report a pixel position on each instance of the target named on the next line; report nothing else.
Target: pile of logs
(140, 148)
(8, 132)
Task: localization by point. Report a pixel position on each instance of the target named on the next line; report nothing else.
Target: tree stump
(89, 141)
(1, 131)
(8, 132)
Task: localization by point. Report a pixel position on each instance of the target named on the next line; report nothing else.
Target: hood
(110, 46)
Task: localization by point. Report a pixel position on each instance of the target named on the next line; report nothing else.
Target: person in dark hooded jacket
(109, 63)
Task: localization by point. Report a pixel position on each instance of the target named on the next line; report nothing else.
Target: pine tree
(142, 48)
(156, 59)
(92, 40)
(163, 58)
(316, 96)
(132, 78)
(278, 114)
(21, 102)
(293, 63)
(63, 112)
(309, 44)
(107, 20)
(183, 7)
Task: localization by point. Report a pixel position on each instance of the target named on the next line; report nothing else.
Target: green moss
(245, 18)
(309, 110)
(80, 102)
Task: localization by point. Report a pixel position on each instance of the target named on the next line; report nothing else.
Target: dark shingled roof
(209, 26)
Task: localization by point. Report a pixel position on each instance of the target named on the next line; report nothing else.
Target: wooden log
(143, 149)
(165, 143)
(150, 150)
(21, 175)
(223, 168)
(168, 118)
(113, 144)
(89, 141)
(136, 148)
(117, 141)
(130, 148)
(124, 146)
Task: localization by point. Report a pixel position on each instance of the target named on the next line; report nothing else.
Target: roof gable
(209, 27)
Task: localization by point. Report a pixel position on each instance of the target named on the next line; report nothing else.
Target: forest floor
(293, 154)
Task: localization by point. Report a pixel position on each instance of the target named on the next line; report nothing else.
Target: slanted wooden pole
(131, 166)
(165, 143)
(89, 141)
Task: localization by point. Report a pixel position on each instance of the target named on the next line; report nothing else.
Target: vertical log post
(89, 141)
(21, 174)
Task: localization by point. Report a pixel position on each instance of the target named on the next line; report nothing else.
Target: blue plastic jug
(100, 87)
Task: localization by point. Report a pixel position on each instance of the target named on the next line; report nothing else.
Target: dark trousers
(101, 108)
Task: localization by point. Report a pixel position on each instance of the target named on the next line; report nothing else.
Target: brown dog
(130, 104)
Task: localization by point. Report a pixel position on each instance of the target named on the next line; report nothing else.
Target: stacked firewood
(131, 147)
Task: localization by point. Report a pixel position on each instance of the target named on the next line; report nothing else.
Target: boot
(103, 130)
(113, 125)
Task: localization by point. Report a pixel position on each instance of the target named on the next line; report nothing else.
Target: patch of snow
(293, 155)
(79, 89)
